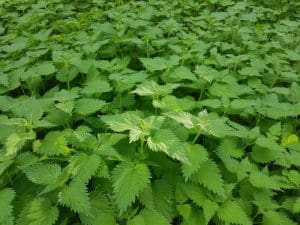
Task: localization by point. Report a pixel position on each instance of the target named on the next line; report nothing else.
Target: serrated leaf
(121, 122)
(196, 155)
(128, 176)
(212, 103)
(66, 106)
(135, 134)
(269, 144)
(290, 139)
(163, 198)
(184, 211)
(296, 206)
(39, 211)
(154, 89)
(42, 173)
(196, 194)
(85, 106)
(29, 108)
(96, 87)
(45, 68)
(232, 212)
(16, 141)
(230, 148)
(210, 177)
(82, 166)
(154, 64)
(181, 73)
(182, 117)
(76, 197)
(54, 143)
(7, 195)
(101, 211)
(172, 103)
(261, 180)
(67, 74)
(276, 218)
(166, 141)
(146, 217)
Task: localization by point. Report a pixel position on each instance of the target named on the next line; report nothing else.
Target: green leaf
(172, 103)
(261, 180)
(196, 194)
(154, 89)
(83, 166)
(196, 217)
(213, 125)
(293, 176)
(196, 155)
(296, 206)
(66, 106)
(29, 108)
(154, 64)
(96, 87)
(184, 211)
(230, 90)
(128, 176)
(210, 177)
(166, 141)
(4, 81)
(101, 212)
(212, 103)
(39, 211)
(181, 73)
(276, 218)
(42, 173)
(249, 71)
(231, 212)
(16, 141)
(67, 74)
(54, 143)
(185, 118)
(121, 122)
(7, 196)
(147, 217)
(229, 147)
(18, 44)
(85, 106)
(45, 69)
(4, 165)
(275, 130)
(163, 197)
(76, 197)
(26, 159)
(295, 92)
(149, 112)
(269, 144)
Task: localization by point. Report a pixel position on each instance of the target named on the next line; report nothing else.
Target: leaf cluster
(149, 112)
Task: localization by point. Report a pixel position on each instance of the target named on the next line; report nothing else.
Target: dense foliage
(149, 112)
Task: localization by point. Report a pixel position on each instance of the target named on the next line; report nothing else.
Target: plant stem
(142, 147)
(196, 137)
(147, 44)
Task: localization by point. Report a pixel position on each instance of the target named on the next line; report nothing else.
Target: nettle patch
(149, 112)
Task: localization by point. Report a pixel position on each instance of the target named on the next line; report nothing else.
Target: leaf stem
(142, 147)
(196, 137)
(119, 96)
(22, 89)
(147, 48)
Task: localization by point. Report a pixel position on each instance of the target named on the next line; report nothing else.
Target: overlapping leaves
(142, 112)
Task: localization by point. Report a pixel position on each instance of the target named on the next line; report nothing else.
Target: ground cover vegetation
(149, 112)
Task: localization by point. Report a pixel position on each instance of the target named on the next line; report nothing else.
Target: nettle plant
(149, 112)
